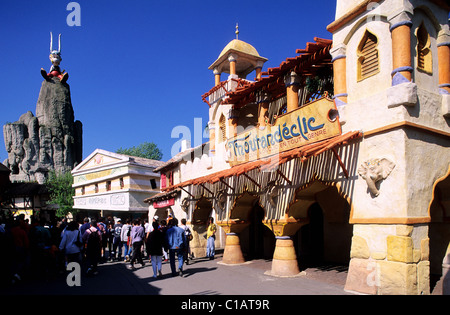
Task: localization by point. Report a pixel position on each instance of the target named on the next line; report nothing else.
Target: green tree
(147, 150)
(61, 192)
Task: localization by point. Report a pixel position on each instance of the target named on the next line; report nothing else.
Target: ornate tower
(238, 59)
(391, 63)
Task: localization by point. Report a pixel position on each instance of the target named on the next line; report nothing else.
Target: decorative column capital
(339, 51)
(232, 57)
(399, 19)
(443, 38)
(291, 79)
(285, 228)
(259, 64)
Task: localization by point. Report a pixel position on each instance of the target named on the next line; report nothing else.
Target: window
(121, 183)
(424, 59)
(108, 185)
(153, 183)
(223, 129)
(163, 181)
(83, 190)
(96, 188)
(368, 56)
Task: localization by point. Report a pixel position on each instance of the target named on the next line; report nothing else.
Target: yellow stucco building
(111, 184)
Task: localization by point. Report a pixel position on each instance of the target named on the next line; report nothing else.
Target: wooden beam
(226, 184)
(207, 189)
(187, 192)
(252, 180)
(284, 177)
(340, 161)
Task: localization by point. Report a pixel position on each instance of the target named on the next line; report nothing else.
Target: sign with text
(311, 123)
(164, 203)
(116, 201)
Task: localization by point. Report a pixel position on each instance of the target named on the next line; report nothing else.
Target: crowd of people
(43, 249)
(30, 248)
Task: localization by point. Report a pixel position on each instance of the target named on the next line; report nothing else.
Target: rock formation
(51, 140)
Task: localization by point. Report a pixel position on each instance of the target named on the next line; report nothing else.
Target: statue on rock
(51, 140)
(55, 58)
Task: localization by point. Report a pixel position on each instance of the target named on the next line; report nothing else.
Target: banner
(163, 203)
(311, 123)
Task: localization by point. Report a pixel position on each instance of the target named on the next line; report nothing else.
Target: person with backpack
(188, 233)
(110, 236)
(163, 227)
(137, 240)
(104, 231)
(125, 236)
(175, 239)
(155, 243)
(117, 241)
(93, 240)
(71, 243)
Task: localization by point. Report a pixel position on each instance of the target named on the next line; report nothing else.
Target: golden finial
(237, 31)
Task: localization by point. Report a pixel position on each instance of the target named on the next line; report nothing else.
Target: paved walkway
(202, 277)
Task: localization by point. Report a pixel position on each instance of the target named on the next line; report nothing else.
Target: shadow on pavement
(112, 279)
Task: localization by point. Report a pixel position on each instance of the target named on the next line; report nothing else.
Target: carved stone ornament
(374, 170)
(185, 205)
(221, 200)
(272, 193)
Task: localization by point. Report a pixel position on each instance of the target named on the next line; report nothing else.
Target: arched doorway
(310, 239)
(202, 211)
(439, 235)
(257, 241)
(325, 240)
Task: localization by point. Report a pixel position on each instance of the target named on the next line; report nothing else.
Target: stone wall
(390, 259)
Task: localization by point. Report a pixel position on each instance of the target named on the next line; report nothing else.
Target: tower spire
(237, 31)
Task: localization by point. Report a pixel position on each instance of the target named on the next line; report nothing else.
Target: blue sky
(138, 68)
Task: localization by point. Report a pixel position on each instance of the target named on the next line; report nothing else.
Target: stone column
(443, 47)
(263, 101)
(258, 69)
(340, 73)
(292, 83)
(232, 253)
(216, 77)
(284, 263)
(401, 47)
(232, 58)
(212, 138)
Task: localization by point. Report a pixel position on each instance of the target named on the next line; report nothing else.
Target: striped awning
(304, 153)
